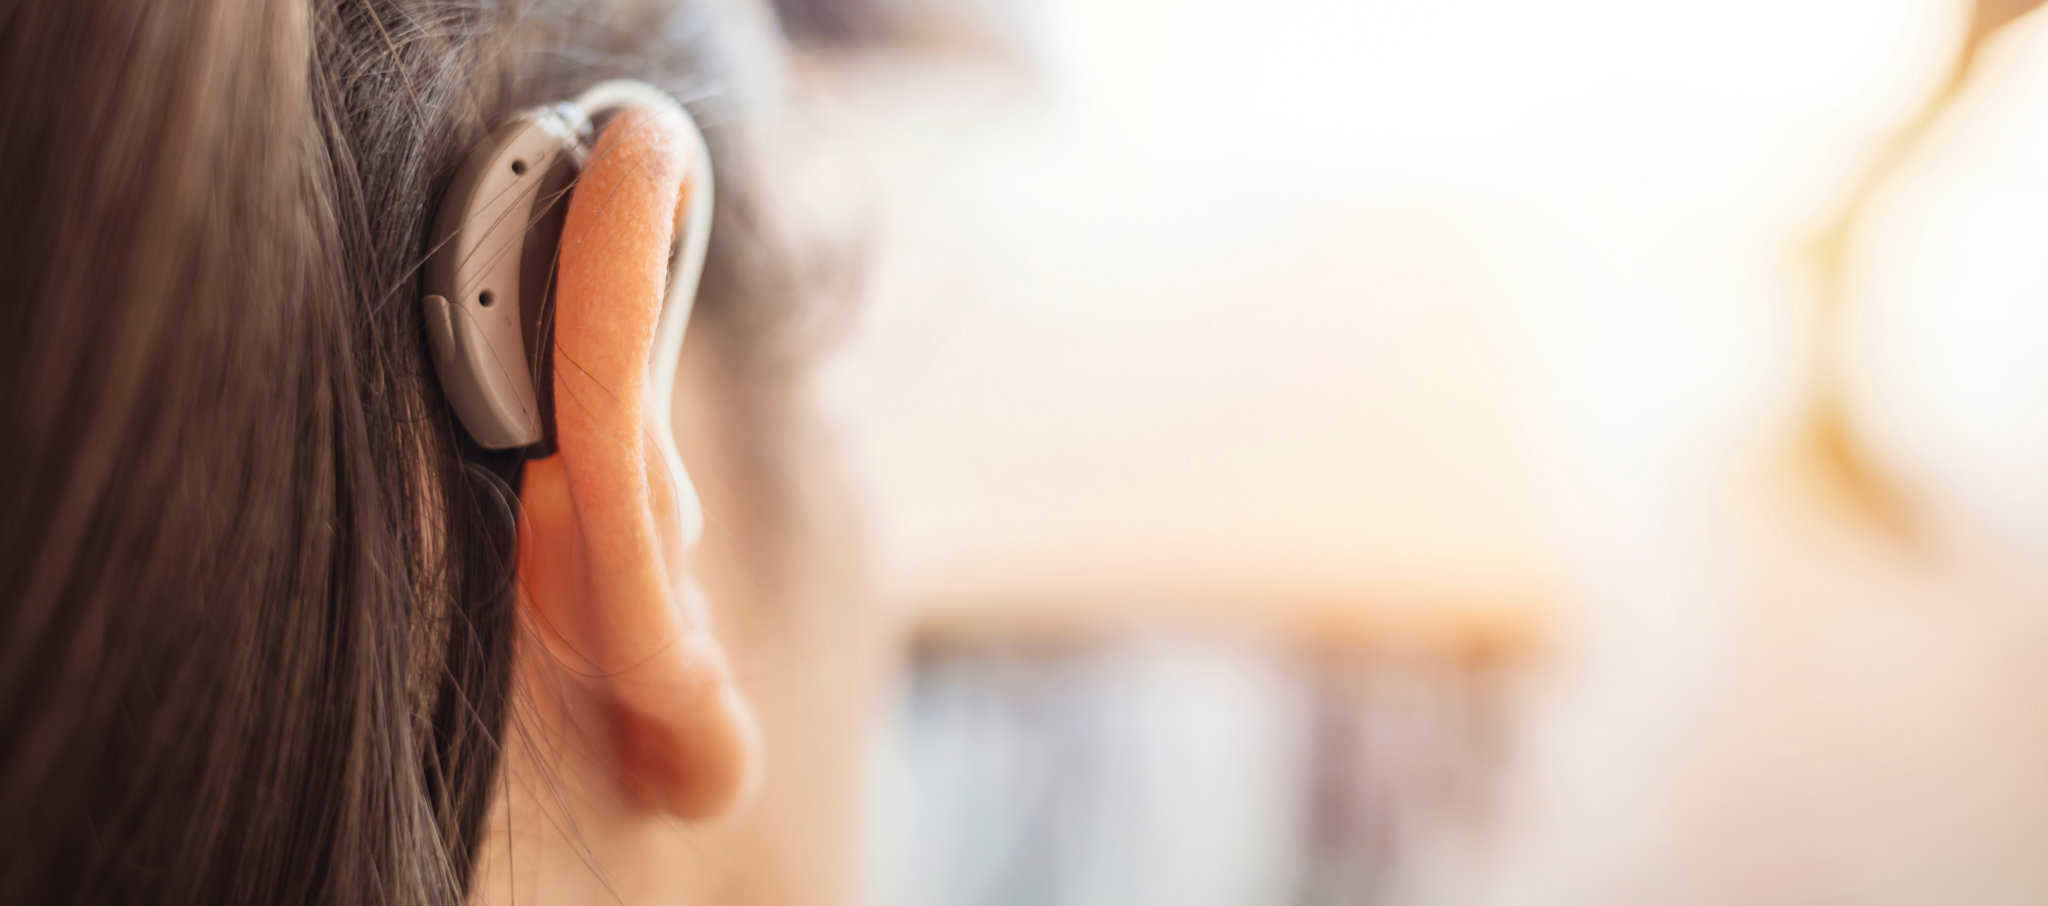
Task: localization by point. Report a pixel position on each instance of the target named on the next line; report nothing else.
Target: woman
(262, 634)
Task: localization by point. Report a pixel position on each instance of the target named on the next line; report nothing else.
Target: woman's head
(257, 641)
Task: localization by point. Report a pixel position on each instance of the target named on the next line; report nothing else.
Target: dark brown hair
(255, 597)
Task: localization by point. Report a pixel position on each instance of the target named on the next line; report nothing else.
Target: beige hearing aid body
(489, 277)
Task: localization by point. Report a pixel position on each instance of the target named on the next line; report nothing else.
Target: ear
(610, 520)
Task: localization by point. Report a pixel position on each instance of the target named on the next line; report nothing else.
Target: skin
(629, 726)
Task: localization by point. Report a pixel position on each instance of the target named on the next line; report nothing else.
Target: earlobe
(608, 521)
(677, 734)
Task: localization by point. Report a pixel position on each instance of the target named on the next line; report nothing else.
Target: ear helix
(488, 279)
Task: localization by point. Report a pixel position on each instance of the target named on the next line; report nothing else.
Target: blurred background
(1448, 451)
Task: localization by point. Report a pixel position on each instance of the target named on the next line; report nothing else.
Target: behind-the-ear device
(489, 280)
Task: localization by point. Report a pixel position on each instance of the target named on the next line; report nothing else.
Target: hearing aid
(488, 284)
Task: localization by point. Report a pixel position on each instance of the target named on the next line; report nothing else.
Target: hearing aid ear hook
(490, 275)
